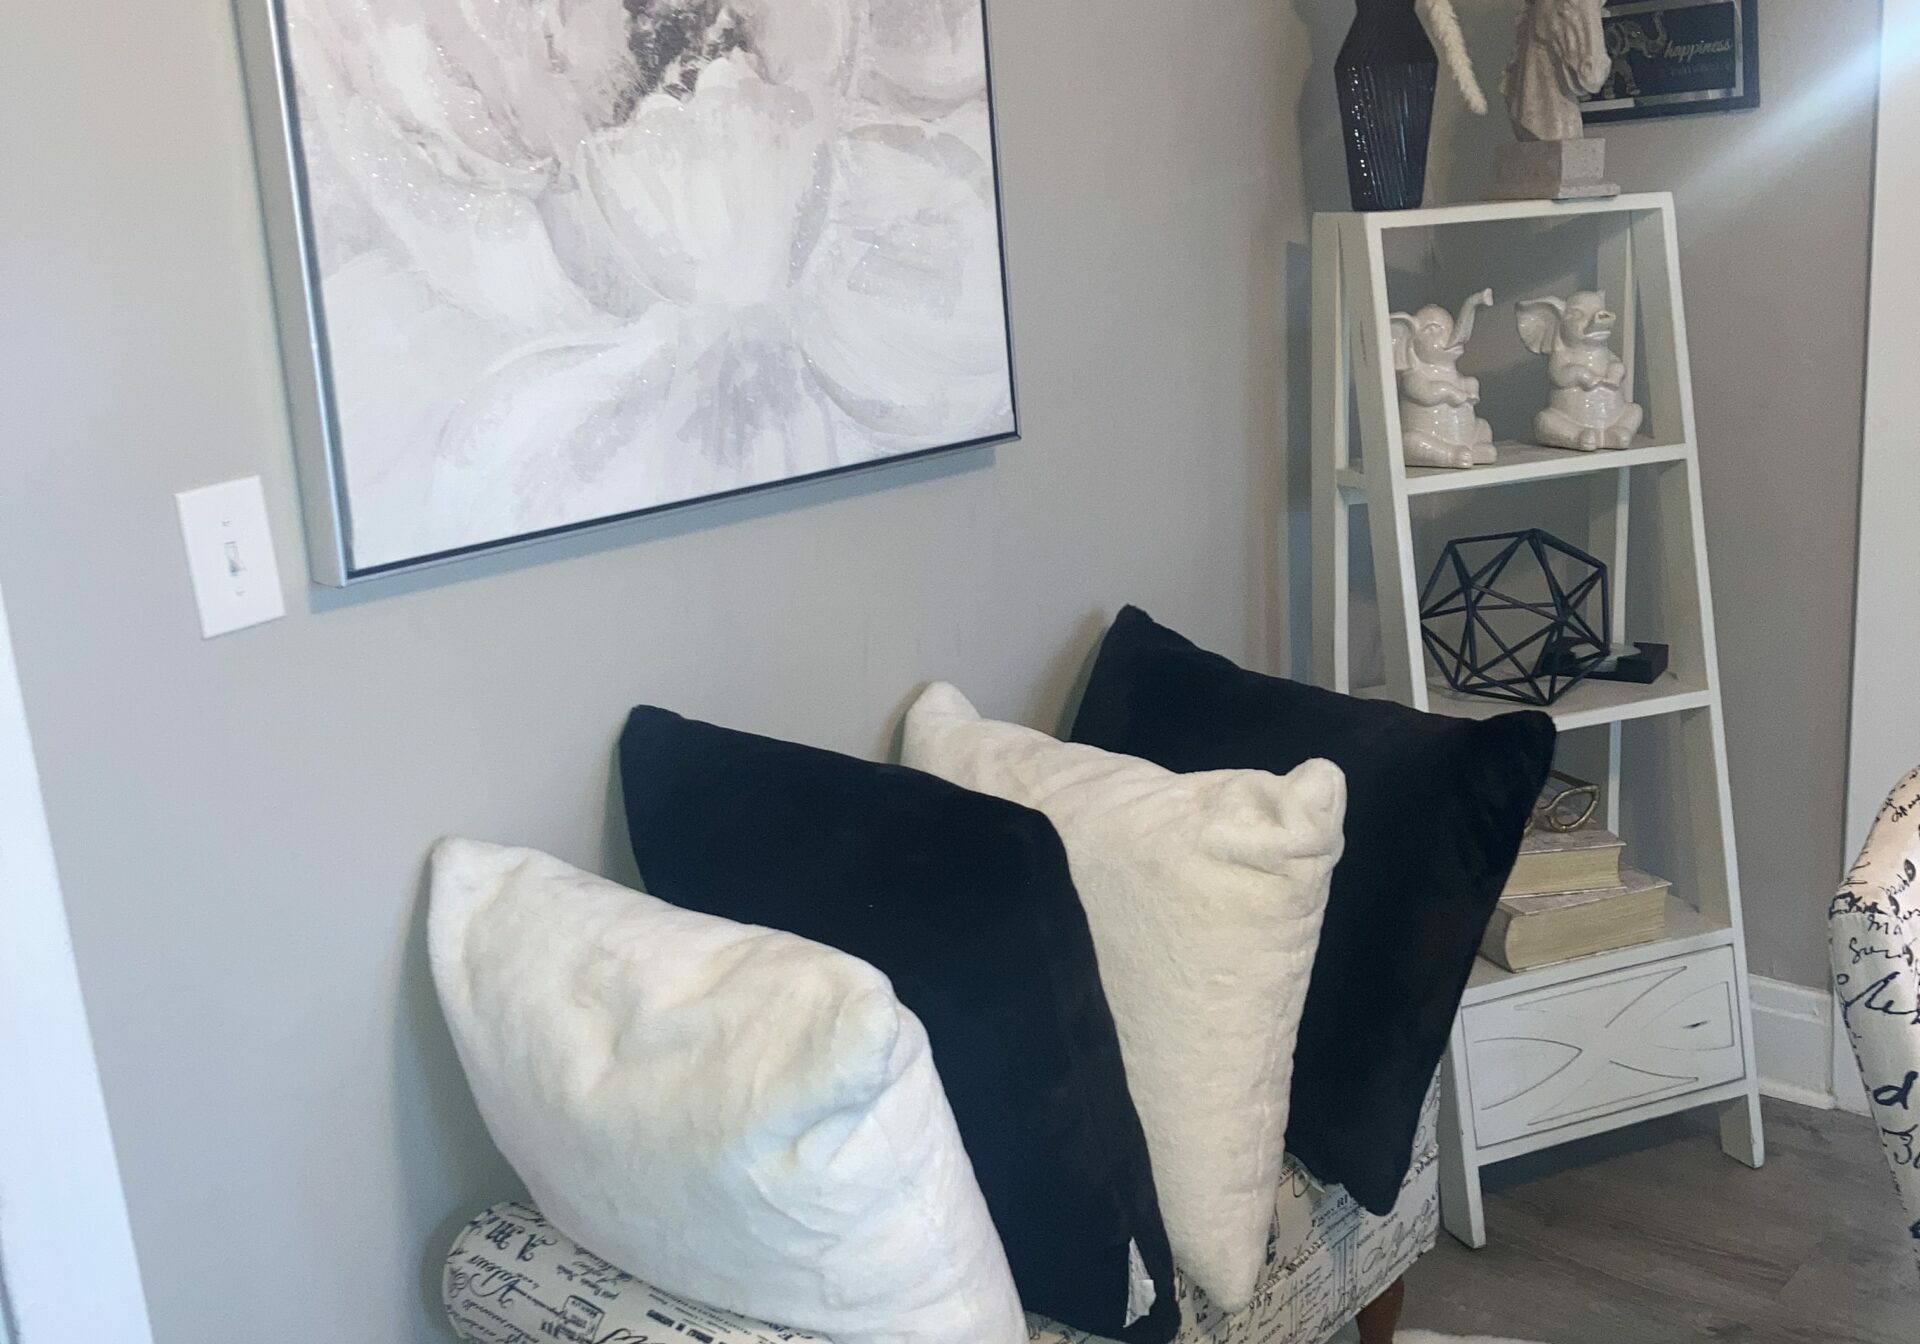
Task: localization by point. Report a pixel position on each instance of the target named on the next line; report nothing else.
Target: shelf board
(1586, 705)
(1488, 212)
(1688, 930)
(1521, 462)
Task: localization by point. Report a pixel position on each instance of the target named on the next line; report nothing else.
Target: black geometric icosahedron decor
(1497, 606)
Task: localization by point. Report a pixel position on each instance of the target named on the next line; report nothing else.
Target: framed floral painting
(548, 264)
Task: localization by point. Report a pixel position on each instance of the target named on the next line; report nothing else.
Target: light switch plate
(230, 555)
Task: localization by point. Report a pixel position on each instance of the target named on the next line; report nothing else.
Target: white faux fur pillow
(1205, 893)
(731, 1113)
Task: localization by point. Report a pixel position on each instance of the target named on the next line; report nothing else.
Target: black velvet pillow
(1436, 808)
(965, 902)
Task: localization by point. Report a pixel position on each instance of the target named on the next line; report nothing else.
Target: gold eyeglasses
(1566, 804)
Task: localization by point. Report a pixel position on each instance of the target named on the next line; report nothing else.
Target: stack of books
(1570, 895)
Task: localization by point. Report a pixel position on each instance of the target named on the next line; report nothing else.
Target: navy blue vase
(1386, 72)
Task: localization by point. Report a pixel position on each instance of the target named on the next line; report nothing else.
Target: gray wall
(241, 823)
(1774, 208)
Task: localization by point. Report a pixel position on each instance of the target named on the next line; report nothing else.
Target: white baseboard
(1793, 1041)
(1802, 1048)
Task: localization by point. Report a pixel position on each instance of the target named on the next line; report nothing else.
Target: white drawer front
(1578, 1051)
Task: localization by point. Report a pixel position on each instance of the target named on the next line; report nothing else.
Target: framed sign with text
(1677, 56)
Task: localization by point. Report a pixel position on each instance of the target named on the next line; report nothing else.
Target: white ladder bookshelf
(1541, 1057)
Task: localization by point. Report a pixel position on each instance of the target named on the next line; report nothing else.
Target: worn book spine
(1551, 861)
(1539, 930)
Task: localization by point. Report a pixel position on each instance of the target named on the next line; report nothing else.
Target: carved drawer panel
(1575, 1052)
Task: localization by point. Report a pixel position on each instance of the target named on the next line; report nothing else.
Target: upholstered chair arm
(1873, 933)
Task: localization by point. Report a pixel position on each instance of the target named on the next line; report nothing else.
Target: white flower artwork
(567, 261)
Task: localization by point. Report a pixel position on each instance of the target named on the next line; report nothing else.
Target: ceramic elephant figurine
(1438, 425)
(1588, 408)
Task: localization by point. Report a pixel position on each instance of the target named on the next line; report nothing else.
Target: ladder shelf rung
(1502, 212)
(1586, 705)
(1520, 462)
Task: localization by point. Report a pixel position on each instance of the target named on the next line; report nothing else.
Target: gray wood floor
(1653, 1236)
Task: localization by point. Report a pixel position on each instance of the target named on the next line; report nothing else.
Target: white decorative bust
(1588, 408)
(1438, 423)
(1559, 55)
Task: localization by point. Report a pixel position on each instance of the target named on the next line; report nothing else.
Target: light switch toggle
(236, 581)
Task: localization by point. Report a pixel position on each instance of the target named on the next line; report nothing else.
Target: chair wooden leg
(1381, 1317)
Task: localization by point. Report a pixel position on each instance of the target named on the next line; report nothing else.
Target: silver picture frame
(1654, 61)
(313, 393)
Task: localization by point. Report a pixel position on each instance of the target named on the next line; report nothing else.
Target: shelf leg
(1741, 1136)
(1462, 1212)
(1389, 527)
(1332, 450)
